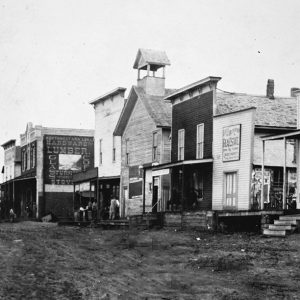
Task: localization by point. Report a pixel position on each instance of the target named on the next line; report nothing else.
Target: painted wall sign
(231, 143)
(65, 155)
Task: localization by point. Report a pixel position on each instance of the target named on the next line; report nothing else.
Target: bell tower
(150, 61)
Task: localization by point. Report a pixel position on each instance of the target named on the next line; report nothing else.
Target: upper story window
(127, 152)
(154, 147)
(100, 152)
(28, 157)
(24, 160)
(33, 156)
(181, 144)
(114, 149)
(200, 141)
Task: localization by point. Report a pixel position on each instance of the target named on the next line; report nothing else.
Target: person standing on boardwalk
(112, 209)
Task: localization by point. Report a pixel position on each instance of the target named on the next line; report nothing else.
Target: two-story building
(49, 157)
(11, 170)
(218, 152)
(145, 128)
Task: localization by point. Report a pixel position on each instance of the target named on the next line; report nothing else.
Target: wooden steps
(285, 225)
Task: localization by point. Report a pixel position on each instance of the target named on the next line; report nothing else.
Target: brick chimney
(294, 91)
(270, 89)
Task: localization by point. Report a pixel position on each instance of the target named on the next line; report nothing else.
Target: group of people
(89, 213)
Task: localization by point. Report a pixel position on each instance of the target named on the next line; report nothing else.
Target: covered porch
(191, 185)
(285, 196)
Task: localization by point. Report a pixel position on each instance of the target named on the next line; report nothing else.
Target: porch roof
(291, 135)
(183, 163)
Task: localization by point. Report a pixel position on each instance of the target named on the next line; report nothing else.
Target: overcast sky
(57, 55)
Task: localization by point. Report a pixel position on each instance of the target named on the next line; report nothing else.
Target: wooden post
(144, 190)
(148, 70)
(182, 188)
(139, 74)
(284, 177)
(164, 72)
(98, 200)
(262, 176)
(297, 141)
(73, 198)
(13, 183)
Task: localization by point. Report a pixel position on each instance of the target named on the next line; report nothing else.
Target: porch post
(262, 176)
(182, 189)
(144, 189)
(73, 198)
(284, 176)
(298, 171)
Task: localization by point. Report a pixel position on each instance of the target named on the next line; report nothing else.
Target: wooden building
(11, 170)
(241, 124)
(145, 127)
(218, 154)
(103, 182)
(192, 145)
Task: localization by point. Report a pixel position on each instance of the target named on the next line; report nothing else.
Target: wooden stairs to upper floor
(286, 224)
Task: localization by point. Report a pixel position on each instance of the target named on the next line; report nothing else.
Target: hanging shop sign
(231, 144)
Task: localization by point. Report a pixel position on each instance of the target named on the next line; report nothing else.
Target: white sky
(57, 55)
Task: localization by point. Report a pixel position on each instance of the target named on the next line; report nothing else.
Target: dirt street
(44, 261)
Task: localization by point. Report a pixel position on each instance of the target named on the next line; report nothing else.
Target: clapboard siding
(187, 115)
(107, 113)
(243, 167)
(138, 132)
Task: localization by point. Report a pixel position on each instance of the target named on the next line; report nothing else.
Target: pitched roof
(158, 109)
(149, 56)
(278, 112)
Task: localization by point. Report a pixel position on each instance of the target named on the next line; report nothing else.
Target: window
(230, 199)
(33, 156)
(181, 144)
(154, 147)
(24, 160)
(200, 141)
(114, 149)
(127, 152)
(28, 157)
(100, 152)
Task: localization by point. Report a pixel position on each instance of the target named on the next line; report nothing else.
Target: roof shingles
(159, 110)
(278, 112)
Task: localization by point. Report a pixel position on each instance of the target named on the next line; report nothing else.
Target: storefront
(85, 190)
(190, 186)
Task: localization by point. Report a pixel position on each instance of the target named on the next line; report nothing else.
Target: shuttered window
(200, 141)
(181, 144)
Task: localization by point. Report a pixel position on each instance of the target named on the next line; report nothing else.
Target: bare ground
(44, 261)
